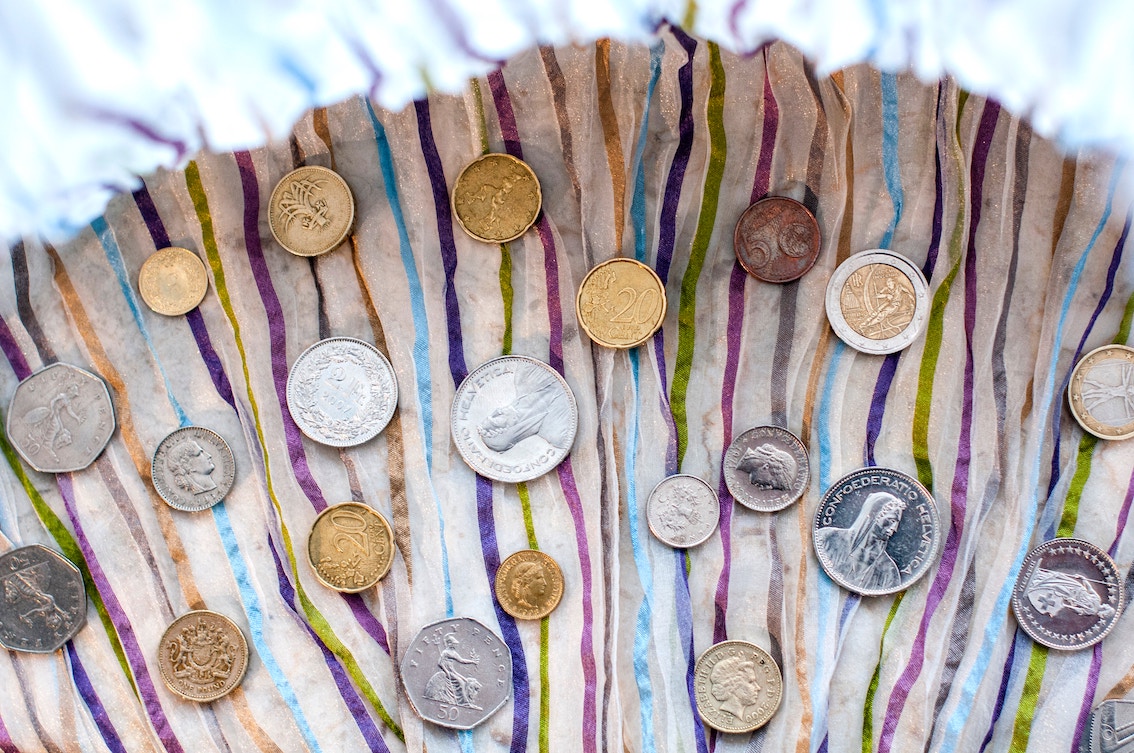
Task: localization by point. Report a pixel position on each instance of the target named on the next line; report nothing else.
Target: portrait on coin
(859, 553)
(191, 467)
(529, 584)
(540, 408)
(769, 467)
(733, 682)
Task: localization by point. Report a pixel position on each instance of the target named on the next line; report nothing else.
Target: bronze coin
(496, 198)
(351, 547)
(777, 239)
(621, 303)
(203, 656)
(173, 281)
(529, 584)
(311, 211)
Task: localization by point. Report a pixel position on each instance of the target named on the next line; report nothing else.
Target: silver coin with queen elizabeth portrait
(877, 531)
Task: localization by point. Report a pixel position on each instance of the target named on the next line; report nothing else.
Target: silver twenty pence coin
(766, 468)
(1068, 594)
(342, 392)
(877, 302)
(514, 419)
(193, 469)
(60, 418)
(876, 531)
(44, 602)
(738, 686)
(683, 511)
(1111, 728)
(457, 673)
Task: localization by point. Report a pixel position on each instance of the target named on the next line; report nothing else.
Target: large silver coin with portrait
(514, 419)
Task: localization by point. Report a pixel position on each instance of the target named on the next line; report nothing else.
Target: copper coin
(777, 239)
(203, 656)
(351, 547)
(173, 281)
(529, 584)
(496, 198)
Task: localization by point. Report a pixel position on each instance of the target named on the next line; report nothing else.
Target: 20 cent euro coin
(621, 303)
(350, 547)
(496, 198)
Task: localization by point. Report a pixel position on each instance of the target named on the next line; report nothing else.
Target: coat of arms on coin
(877, 302)
(351, 547)
(172, 281)
(193, 469)
(529, 584)
(203, 656)
(496, 198)
(44, 603)
(311, 211)
(1101, 392)
(738, 686)
(621, 303)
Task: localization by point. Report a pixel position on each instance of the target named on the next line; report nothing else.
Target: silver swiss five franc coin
(342, 392)
(682, 511)
(876, 531)
(457, 673)
(877, 302)
(766, 468)
(1068, 594)
(514, 419)
(60, 418)
(44, 603)
(737, 686)
(193, 469)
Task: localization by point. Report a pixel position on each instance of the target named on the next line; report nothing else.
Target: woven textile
(649, 152)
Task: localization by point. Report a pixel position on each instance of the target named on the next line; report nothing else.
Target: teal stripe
(890, 164)
(638, 202)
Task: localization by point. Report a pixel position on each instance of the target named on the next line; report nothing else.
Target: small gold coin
(311, 211)
(621, 303)
(529, 584)
(203, 656)
(351, 547)
(1101, 392)
(172, 281)
(496, 198)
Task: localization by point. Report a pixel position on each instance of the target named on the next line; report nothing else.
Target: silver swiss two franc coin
(193, 469)
(766, 468)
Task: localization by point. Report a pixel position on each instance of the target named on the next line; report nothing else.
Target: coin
(1111, 728)
(351, 547)
(60, 418)
(620, 303)
(342, 392)
(172, 281)
(457, 673)
(514, 419)
(737, 685)
(877, 302)
(184, 469)
(529, 584)
(776, 239)
(311, 211)
(766, 468)
(682, 511)
(202, 656)
(876, 531)
(496, 198)
(1101, 392)
(1068, 594)
(44, 602)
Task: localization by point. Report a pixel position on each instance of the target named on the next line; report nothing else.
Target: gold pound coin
(203, 656)
(1101, 392)
(529, 584)
(173, 281)
(496, 198)
(311, 211)
(351, 547)
(621, 303)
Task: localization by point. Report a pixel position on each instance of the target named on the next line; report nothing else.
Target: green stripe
(1078, 481)
(1124, 328)
(1026, 711)
(70, 549)
(318, 623)
(482, 123)
(686, 315)
(868, 717)
(507, 293)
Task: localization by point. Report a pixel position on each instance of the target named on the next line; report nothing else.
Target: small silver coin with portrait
(877, 531)
(737, 685)
(514, 419)
(682, 511)
(193, 469)
(766, 468)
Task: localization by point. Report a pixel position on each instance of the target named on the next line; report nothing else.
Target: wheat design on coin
(682, 511)
(351, 547)
(311, 211)
(777, 239)
(203, 656)
(496, 198)
(1101, 392)
(529, 584)
(737, 685)
(173, 281)
(44, 604)
(621, 303)
(766, 468)
(877, 302)
(193, 469)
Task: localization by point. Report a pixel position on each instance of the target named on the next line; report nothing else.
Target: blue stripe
(999, 612)
(638, 202)
(890, 165)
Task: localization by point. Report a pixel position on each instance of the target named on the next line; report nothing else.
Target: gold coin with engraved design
(173, 281)
(621, 303)
(878, 301)
(529, 584)
(311, 211)
(496, 198)
(203, 656)
(351, 547)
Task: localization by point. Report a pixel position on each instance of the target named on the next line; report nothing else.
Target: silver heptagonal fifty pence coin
(877, 531)
(683, 511)
(193, 469)
(1111, 728)
(44, 602)
(342, 392)
(457, 673)
(514, 419)
(766, 468)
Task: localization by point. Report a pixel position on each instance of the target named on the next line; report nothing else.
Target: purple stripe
(684, 611)
(12, 352)
(6, 744)
(763, 180)
(367, 620)
(151, 217)
(276, 327)
(667, 226)
(24, 306)
(90, 697)
(878, 404)
(1002, 694)
(505, 114)
(959, 496)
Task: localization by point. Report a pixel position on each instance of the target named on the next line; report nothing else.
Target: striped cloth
(649, 152)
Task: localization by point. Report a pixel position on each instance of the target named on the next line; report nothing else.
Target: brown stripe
(1063, 205)
(323, 131)
(609, 119)
(28, 318)
(259, 736)
(559, 99)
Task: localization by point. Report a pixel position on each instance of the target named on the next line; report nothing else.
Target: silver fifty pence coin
(1111, 728)
(514, 419)
(877, 302)
(876, 531)
(193, 469)
(682, 511)
(44, 602)
(1068, 594)
(766, 468)
(342, 392)
(60, 418)
(457, 673)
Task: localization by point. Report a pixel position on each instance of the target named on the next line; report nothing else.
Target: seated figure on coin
(529, 584)
(769, 467)
(859, 553)
(734, 683)
(448, 685)
(540, 409)
(191, 467)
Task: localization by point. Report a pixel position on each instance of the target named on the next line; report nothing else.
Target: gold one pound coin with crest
(172, 281)
(496, 198)
(351, 547)
(311, 211)
(621, 303)
(203, 656)
(529, 584)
